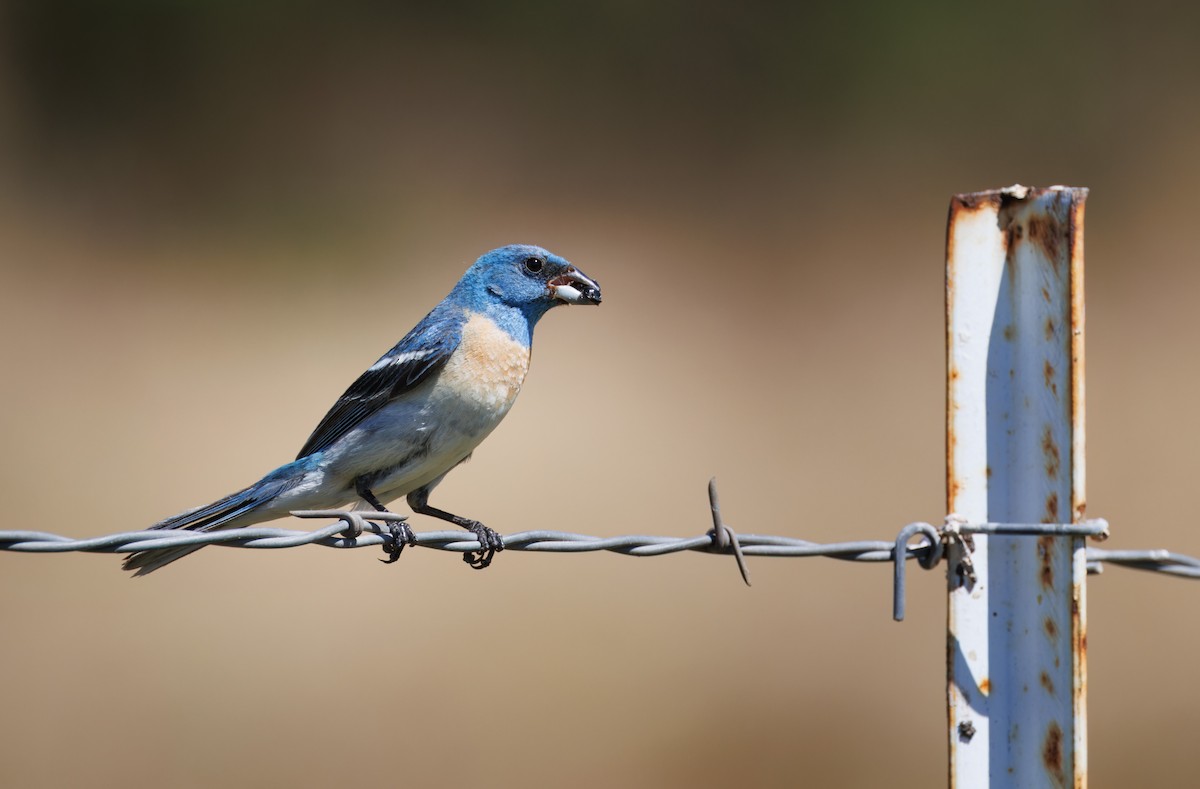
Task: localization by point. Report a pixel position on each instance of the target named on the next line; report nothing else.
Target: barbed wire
(1161, 561)
(361, 529)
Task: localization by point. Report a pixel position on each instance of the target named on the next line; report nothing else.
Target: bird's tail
(219, 514)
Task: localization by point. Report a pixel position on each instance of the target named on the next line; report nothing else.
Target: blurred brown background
(213, 217)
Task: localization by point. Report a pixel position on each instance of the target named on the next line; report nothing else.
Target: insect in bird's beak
(574, 287)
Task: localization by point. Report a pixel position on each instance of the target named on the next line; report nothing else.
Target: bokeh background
(213, 216)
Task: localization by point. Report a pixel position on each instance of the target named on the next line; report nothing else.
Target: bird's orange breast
(488, 367)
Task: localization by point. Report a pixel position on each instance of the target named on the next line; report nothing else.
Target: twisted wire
(354, 529)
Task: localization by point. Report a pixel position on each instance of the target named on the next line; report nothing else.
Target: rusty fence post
(1017, 638)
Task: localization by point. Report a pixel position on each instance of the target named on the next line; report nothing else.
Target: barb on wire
(354, 529)
(723, 536)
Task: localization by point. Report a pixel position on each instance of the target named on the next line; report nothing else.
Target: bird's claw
(401, 537)
(489, 542)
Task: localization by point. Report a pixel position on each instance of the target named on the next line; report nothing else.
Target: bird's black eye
(534, 264)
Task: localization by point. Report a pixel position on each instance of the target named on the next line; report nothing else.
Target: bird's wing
(423, 351)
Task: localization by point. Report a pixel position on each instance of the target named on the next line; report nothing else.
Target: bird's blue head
(523, 279)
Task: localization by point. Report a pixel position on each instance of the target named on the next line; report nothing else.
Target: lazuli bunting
(417, 412)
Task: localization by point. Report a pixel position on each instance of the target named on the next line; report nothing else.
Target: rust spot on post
(1046, 555)
(1051, 515)
(1052, 457)
(973, 201)
(1013, 233)
(1048, 375)
(1010, 332)
(1046, 232)
(1051, 628)
(1049, 328)
(1052, 754)
(985, 685)
(1047, 683)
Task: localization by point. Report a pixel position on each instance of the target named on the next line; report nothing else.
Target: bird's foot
(489, 542)
(401, 537)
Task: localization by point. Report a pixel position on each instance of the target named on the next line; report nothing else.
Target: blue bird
(415, 414)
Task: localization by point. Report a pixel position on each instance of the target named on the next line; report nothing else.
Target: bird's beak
(574, 287)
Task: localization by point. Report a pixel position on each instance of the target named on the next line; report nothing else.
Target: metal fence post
(1017, 639)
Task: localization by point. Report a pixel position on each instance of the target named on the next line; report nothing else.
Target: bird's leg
(402, 533)
(489, 540)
